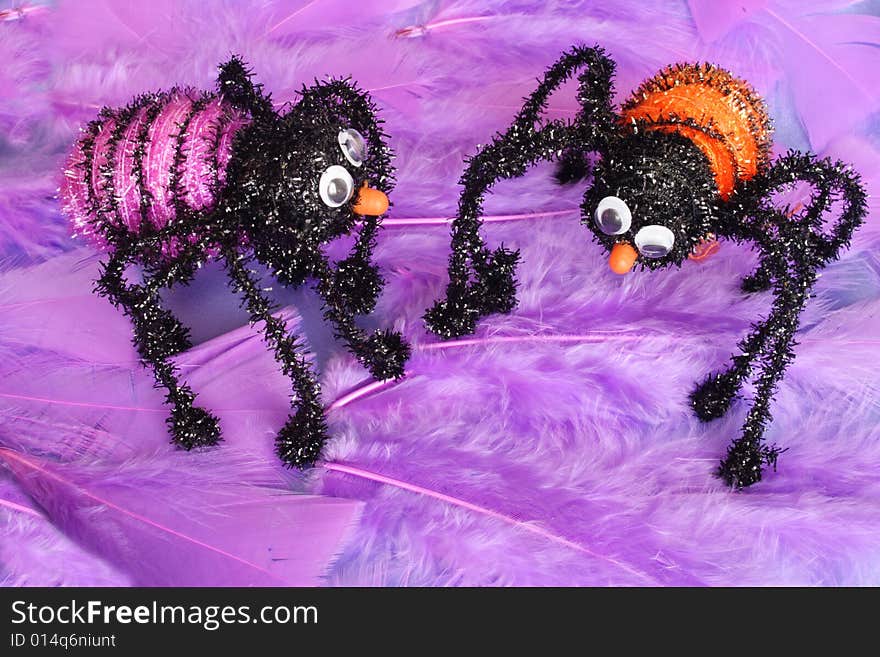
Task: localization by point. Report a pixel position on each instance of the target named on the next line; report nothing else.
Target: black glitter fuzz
(690, 172)
(269, 211)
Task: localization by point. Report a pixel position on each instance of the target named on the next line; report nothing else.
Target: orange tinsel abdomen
(719, 113)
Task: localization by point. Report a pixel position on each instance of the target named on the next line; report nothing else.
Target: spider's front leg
(300, 441)
(793, 246)
(345, 292)
(356, 281)
(481, 281)
(158, 335)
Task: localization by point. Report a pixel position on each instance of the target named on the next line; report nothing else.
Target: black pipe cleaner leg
(793, 249)
(758, 280)
(356, 281)
(300, 441)
(712, 398)
(746, 456)
(384, 353)
(481, 281)
(767, 349)
(158, 335)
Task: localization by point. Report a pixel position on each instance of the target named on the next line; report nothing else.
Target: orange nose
(371, 202)
(622, 258)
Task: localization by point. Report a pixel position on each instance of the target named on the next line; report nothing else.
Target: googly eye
(612, 216)
(336, 186)
(654, 241)
(353, 146)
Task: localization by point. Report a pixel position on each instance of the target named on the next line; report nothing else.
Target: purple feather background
(553, 447)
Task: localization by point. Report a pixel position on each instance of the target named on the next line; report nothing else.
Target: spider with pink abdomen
(179, 178)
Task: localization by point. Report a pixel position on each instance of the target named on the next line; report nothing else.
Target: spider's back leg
(158, 335)
(792, 252)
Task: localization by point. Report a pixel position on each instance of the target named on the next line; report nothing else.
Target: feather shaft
(476, 508)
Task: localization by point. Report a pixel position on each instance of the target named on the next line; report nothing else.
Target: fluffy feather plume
(555, 446)
(819, 59)
(166, 523)
(107, 477)
(34, 552)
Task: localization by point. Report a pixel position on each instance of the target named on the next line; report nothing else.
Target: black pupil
(355, 147)
(610, 220)
(653, 250)
(337, 190)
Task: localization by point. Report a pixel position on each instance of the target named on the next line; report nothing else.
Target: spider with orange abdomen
(688, 156)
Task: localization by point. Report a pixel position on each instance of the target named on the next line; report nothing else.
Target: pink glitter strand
(290, 16)
(113, 407)
(361, 391)
(371, 387)
(470, 506)
(596, 336)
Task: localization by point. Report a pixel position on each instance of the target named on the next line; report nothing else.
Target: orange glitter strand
(719, 113)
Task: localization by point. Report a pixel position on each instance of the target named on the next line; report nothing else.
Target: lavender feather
(828, 52)
(193, 534)
(109, 479)
(34, 552)
(557, 446)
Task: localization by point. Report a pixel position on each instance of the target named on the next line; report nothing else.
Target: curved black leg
(758, 280)
(356, 282)
(384, 353)
(767, 349)
(746, 456)
(793, 249)
(300, 441)
(158, 335)
(482, 281)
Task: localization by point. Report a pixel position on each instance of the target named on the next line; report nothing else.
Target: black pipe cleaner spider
(686, 158)
(179, 177)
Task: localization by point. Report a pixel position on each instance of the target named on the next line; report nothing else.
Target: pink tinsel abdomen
(139, 166)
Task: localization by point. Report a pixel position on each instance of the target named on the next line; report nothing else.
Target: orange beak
(623, 257)
(370, 202)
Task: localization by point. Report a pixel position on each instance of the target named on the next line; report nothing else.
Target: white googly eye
(654, 241)
(353, 146)
(336, 186)
(612, 216)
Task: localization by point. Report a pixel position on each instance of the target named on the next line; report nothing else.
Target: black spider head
(653, 198)
(338, 164)
(304, 177)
